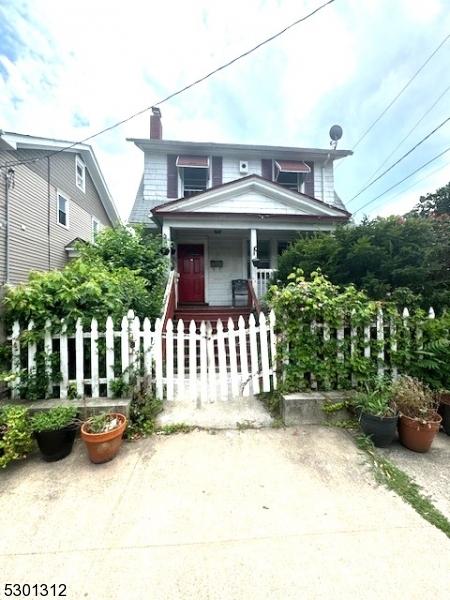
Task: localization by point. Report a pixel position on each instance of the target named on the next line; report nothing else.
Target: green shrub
(54, 418)
(16, 439)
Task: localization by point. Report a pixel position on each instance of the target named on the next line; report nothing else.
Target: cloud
(67, 70)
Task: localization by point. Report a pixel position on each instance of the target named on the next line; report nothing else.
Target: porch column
(166, 233)
(253, 254)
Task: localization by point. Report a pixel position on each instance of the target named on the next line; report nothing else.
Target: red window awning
(292, 166)
(199, 162)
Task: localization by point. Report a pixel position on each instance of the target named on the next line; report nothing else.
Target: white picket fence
(195, 363)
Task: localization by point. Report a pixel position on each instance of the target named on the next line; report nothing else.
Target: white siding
(324, 182)
(155, 179)
(231, 168)
(251, 202)
(219, 279)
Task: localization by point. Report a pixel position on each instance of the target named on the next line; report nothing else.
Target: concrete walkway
(279, 514)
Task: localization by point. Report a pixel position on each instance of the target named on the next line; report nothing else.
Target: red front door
(191, 285)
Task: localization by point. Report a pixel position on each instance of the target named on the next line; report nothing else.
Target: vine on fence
(327, 337)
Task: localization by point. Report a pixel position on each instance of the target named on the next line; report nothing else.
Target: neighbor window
(193, 173)
(95, 228)
(62, 210)
(80, 174)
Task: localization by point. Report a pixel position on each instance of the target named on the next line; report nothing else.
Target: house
(228, 211)
(50, 197)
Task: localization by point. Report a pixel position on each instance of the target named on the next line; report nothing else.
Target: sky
(70, 69)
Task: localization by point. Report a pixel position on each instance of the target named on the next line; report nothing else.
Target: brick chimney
(155, 124)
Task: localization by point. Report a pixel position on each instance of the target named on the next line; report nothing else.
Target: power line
(402, 180)
(413, 128)
(399, 160)
(181, 90)
(397, 96)
(419, 181)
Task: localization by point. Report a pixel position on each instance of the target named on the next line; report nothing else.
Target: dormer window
(291, 174)
(80, 174)
(193, 174)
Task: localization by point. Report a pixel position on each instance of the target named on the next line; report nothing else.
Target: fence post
(273, 348)
(203, 364)
(124, 350)
(353, 345)
(79, 357)
(31, 352)
(192, 361)
(64, 360)
(15, 364)
(393, 345)
(181, 367)
(380, 341)
(95, 390)
(169, 359)
(254, 354)
(233, 359)
(109, 342)
(211, 363)
(222, 359)
(158, 360)
(264, 352)
(407, 332)
(48, 350)
(243, 357)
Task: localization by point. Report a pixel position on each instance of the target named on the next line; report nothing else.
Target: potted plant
(443, 397)
(102, 435)
(419, 419)
(55, 431)
(378, 414)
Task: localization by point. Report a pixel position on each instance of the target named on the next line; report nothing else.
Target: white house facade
(228, 211)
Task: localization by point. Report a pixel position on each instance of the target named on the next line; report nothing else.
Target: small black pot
(445, 411)
(57, 443)
(381, 430)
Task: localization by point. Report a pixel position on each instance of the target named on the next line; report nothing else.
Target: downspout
(327, 160)
(9, 183)
(48, 212)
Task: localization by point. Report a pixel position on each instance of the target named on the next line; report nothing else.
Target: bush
(16, 439)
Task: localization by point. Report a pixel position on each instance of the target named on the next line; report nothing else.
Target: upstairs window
(80, 174)
(62, 210)
(291, 174)
(193, 174)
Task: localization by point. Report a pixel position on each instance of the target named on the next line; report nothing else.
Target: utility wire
(399, 160)
(397, 96)
(181, 90)
(413, 128)
(402, 180)
(419, 181)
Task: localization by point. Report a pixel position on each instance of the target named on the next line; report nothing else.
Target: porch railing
(263, 276)
(170, 300)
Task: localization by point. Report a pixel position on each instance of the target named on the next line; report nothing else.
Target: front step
(212, 314)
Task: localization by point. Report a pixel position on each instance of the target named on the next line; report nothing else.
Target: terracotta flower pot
(103, 447)
(416, 435)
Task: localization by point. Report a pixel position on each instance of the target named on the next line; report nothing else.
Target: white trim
(99, 227)
(309, 205)
(67, 199)
(80, 163)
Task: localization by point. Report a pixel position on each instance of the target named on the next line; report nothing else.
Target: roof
(300, 203)
(15, 141)
(247, 150)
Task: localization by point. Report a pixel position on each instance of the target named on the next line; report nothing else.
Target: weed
(398, 481)
(174, 428)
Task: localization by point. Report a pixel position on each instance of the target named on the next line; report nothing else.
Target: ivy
(16, 439)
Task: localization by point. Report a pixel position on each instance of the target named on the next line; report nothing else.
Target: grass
(399, 482)
(174, 428)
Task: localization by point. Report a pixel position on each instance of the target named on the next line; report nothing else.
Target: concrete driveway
(250, 514)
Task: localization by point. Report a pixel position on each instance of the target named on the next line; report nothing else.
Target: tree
(436, 204)
(406, 259)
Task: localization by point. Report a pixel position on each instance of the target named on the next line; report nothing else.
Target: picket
(205, 363)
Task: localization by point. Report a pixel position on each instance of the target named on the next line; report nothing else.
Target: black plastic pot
(445, 411)
(57, 443)
(382, 430)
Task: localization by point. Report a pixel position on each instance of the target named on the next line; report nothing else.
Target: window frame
(99, 226)
(300, 182)
(61, 194)
(79, 162)
(181, 187)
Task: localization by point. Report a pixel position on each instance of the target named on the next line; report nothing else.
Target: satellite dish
(336, 133)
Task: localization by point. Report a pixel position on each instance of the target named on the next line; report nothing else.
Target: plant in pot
(377, 414)
(419, 419)
(102, 435)
(55, 431)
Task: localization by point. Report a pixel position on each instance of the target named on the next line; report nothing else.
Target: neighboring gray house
(48, 203)
(229, 210)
